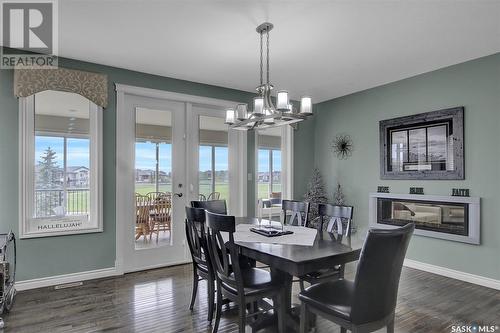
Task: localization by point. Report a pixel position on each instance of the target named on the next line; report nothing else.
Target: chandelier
(264, 113)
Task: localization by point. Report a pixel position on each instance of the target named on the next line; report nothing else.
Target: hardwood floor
(158, 301)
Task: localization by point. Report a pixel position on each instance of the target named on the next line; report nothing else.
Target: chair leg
(304, 318)
(218, 309)
(242, 320)
(390, 325)
(195, 289)
(211, 299)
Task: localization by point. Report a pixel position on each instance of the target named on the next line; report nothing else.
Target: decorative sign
(460, 192)
(416, 190)
(383, 189)
(63, 223)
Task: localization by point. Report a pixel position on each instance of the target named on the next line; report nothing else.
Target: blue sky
(77, 150)
(263, 161)
(78, 154)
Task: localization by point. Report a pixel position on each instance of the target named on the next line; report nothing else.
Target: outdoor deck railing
(49, 202)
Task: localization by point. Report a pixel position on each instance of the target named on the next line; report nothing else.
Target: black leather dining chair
(368, 303)
(332, 215)
(213, 206)
(243, 286)
(202, 266)
(299, 212)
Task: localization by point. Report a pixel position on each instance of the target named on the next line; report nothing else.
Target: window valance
(93, 86)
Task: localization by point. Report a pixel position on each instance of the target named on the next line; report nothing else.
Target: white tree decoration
(315, 194)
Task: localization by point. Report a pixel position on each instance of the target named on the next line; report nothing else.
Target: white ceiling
(320, 48)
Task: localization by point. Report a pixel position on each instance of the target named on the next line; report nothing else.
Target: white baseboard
(66, 278)
(451, 273)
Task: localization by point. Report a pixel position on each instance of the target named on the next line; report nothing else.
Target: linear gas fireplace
(452, 218)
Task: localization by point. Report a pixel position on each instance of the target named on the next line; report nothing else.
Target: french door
(171, 148)
(153, 174)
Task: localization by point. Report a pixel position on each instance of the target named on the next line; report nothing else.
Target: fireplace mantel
(436, 205)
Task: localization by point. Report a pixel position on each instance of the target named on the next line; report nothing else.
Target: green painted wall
(68, 254)
(476, 86)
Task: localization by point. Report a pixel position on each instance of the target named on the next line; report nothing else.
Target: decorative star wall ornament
(342, 146)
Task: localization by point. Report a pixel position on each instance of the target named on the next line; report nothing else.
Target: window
(213, 158)
(153, 172)
(269, 182)
(214, 171)
(61, 158)
(269, 165)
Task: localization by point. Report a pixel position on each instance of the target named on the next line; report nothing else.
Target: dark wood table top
(327, 251)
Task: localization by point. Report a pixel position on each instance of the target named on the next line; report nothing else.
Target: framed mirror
(423, 146)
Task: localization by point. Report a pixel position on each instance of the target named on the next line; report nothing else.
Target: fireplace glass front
(445, 217)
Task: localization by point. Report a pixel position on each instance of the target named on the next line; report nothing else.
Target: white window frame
(27, 167)
(286, 163)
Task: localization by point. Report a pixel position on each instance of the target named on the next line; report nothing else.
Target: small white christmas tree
(315, 194)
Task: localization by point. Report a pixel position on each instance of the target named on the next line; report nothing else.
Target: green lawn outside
(205, 189)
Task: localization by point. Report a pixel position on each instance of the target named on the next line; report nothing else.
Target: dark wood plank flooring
(158, 300)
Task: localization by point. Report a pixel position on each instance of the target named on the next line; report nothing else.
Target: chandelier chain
(261, 60)
(267, 46)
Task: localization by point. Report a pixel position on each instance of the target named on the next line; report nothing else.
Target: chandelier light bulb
(241, 112)
(229, 116)
(306, 105)
(282, 100)
(258, 106)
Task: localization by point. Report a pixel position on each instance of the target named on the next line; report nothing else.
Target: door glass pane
(153, 178)
(222, 172)
(276, 185)
(205, 171)
(213, 172)
(263, 179)
(269, 167)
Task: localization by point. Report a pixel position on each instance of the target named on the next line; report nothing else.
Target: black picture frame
(425, 146)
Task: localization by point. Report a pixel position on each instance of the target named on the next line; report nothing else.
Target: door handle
(178, 194)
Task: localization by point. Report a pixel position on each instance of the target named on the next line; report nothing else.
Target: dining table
(288, 260)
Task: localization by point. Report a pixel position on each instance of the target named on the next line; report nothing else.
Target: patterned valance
(90, 85)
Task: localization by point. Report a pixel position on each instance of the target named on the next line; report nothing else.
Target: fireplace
(452, 218)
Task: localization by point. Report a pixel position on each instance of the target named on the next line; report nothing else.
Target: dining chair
(337, 215)
(142, 218)
(214, 206)
(202, 266)
(214, 196)
(368, 303)
(202, 197)
(161, 215)
(242, 285)
(156, 195)
(299, 212)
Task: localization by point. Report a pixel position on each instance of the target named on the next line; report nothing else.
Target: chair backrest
(334, 215)
(299, 210)
(214, 196)
(213, 206)
(196, 236)
(161, 208)
(202, 197)
(156, 196)
(142, 208)
(378, 273)
(223, 254)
